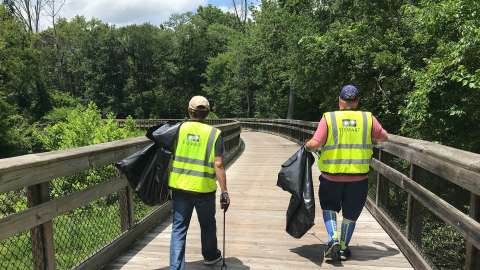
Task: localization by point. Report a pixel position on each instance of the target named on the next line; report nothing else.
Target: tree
(52, 9)
(28, 11)
(241, 11)
(22, 95)
(443, 104)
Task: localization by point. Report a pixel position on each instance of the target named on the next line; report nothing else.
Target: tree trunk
(291, 104)
(248, 104)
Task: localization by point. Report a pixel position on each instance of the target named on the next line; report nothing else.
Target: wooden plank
(49, 245)
(414, 214)
(43, 252)
(110, 252)
(441, 166)
(19, 172)
(382, 187)
(414, 227)
(407, 248)
(464, 224)
(126, 208)
(45, 212)
(472, 257)
(461, 158)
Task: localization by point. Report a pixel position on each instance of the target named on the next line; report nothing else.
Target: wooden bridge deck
(256, 238)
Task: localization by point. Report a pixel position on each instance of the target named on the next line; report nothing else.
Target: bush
(74, 231)
(84, 126)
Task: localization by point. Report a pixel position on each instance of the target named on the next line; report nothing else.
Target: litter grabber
(224, 265)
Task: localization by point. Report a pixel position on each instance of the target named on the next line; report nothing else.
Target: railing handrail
(15, 171)
(462, 158)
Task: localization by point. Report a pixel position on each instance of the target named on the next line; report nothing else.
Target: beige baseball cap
(199, 103)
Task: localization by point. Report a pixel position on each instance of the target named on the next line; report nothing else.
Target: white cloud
(122, 12)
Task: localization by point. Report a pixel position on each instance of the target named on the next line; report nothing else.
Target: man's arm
(379, 134)
(313, 144)
(320, 136)
(382, 137)
(220, 173)
(222, 181)
(219, 164)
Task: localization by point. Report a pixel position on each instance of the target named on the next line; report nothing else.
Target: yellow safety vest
(193, 165)
(348, 149)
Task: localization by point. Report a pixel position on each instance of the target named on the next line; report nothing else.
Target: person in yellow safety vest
(196, 167)
(345, 140)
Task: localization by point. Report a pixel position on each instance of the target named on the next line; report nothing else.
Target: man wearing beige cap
(196, 167)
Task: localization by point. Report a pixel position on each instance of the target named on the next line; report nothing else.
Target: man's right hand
(224, 201)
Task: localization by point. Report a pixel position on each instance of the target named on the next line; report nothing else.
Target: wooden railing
(146, 123)
(406, 163)
(35, 173)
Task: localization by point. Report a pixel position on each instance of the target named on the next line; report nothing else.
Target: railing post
(126, 208)
(414, 220)
(382, 185)
(43, 249)
(472, 257)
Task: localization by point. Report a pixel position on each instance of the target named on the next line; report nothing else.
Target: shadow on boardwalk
(232, 264)
(314, 253)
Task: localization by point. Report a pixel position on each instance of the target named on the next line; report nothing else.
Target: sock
(330, 219)
(348, 226)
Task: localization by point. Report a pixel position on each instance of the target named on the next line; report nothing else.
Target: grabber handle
(224, 265)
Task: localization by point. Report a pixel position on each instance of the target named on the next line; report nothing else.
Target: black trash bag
(296, 178)
(147, 169)
(165, 135)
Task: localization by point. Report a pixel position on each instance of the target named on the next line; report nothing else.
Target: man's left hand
(224, 201)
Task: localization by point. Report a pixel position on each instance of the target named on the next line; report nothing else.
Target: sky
(124, 12)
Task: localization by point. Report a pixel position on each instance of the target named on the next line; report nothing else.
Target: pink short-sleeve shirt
(321, 136)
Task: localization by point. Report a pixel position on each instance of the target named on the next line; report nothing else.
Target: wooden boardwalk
(256, 237)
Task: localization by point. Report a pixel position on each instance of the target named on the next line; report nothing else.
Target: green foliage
(443, 105)
(12, 202)
(212, 115)
(84, 126)
(22, 92)
(443, 245)
(84, 231)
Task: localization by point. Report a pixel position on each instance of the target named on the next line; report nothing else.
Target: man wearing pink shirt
(345, 139)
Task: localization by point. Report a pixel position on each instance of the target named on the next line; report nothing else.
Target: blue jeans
(183, 204)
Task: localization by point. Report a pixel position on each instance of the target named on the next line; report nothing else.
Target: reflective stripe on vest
(348, 149)
(193, 165)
